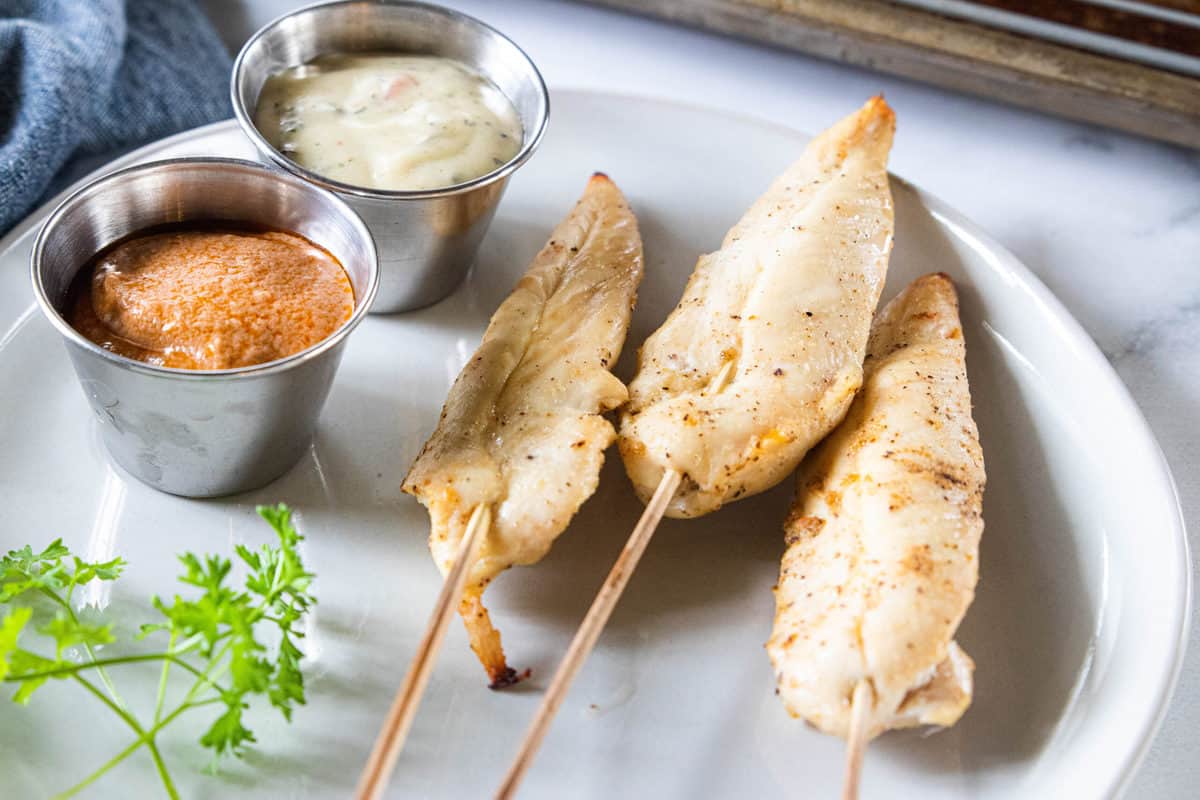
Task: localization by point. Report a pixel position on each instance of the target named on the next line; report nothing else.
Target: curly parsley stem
(70, 669)
(162, 679)
(145, 739)
(98, 774)
(66, 605)
(206, 677)
(168, 784)
(130, 720)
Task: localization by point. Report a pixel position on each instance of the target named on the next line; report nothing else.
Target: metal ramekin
(427, 239)
(190, 432)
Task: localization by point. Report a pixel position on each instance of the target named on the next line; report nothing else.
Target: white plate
(1077, 630)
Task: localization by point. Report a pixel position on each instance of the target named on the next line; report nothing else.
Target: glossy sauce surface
(210, 298)
(392, 122)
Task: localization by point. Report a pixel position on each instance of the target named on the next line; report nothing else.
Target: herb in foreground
(213, 637)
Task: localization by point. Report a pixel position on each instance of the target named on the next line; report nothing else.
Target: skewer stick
(856, 743)
(589, 631)
(598, 614)
(391, 738)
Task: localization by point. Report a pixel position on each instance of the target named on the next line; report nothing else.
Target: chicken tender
(883, 540)
(522, 428)
(785, 306)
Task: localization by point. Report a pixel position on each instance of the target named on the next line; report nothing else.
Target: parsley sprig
(214, 635)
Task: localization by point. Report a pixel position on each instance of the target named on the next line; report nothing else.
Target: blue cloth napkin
(81, 78)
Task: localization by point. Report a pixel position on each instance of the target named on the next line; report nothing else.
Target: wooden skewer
(856, 743)
(598, 614)
(589, 631)
(391, 738)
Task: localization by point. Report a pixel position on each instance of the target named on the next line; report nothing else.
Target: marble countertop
(1109, 222)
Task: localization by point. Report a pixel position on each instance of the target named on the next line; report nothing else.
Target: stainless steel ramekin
(190, 432)
(427, 239)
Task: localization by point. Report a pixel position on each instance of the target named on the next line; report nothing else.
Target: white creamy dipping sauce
(389, 122)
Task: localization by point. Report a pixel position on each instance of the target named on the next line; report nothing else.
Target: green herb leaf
(228, 734)
(10, 628)
(24, 662)
(287, 684)
(104, 570)
(23, 570)
(68, 631)
(26, 690)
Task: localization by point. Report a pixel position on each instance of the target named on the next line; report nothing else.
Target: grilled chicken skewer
(520, 443)
(787, 301)
(883, 539)
(759, 360)
(522, 431)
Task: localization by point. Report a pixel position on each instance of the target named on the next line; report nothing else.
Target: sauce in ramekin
(207, 298)
(391, 122)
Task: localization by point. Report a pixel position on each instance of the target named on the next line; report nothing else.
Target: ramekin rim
(251, 131)
(362, 307)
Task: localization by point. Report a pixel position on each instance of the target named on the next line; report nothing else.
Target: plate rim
(947, 215)
(1165, 478)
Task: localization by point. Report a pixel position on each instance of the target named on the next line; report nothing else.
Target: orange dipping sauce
(210, 298)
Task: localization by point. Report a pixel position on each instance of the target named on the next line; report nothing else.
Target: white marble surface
(1110, 223)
